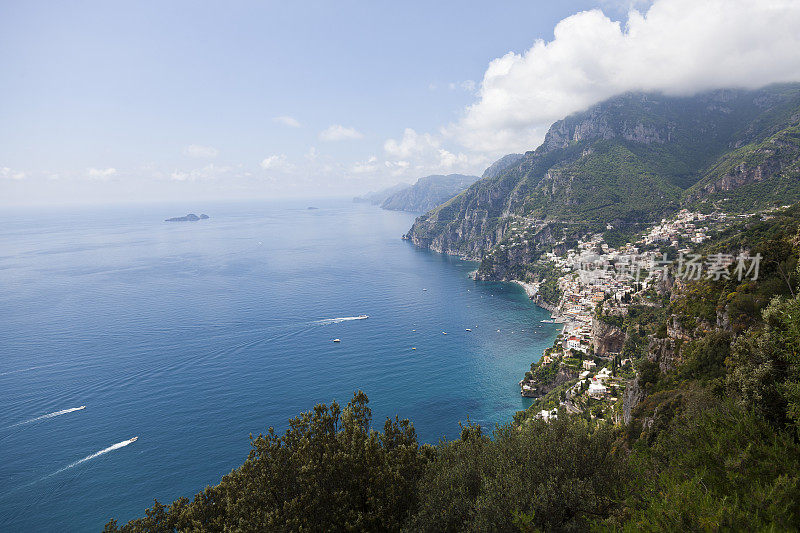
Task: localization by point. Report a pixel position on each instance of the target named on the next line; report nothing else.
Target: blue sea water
(193, 335)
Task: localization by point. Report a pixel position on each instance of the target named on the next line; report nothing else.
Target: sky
(110, 101)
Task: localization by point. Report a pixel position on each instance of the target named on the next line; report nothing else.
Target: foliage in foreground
(714, 444)
(702, 463)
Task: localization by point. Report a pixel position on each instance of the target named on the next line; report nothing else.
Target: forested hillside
(428, 192)
(630, 161)
(712, 441)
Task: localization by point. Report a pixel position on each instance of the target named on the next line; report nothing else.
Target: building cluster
(685, 226)
(594, 273)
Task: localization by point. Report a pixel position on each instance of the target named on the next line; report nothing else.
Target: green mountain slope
(428, 192)
(627, 162)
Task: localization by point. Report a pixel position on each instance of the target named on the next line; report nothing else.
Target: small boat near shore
(549, 321)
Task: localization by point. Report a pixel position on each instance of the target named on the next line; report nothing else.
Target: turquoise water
(193, 335)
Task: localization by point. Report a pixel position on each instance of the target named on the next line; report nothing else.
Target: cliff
(501, 165)
(191, 217)
(606, 338)
(427, 193)
(626, 162)
(378, 197)
(537, 388)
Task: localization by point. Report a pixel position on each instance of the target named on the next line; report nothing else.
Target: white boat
(134, 439)
(337, 340)
(362, 317)
(469, 329)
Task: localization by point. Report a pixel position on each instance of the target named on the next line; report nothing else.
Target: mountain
(501, 164)
(378, 197)
(627, 162)
(428, 192)
(191, 217)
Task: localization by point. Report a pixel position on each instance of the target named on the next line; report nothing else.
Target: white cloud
(412, 144)
(366, 167)
(197, 150)
(11, 174)
(275, 162)
(287, 121)
(466, 85)
(207, 173)
(101, 174)
(420, 154)
(676, 47)
(338, 132)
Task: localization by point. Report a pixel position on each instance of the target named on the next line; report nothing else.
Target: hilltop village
(589, 289)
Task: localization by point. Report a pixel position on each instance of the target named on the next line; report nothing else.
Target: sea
(191, 336)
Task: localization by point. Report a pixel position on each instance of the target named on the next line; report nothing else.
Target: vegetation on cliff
(427, 193)
(628, 162)
(713, 441)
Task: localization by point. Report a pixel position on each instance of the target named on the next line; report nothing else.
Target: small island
(191, 217)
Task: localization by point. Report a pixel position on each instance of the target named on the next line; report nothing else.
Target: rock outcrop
(501, 165)
(191, 217)
(537, 390)
(629, 160)
(606, 338)
(633, 395)
(428, 192)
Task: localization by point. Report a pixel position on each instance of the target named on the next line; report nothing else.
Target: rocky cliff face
(776, 157)
(428, 192)
(501, 264)
(634, 394)
(501, 165)
(631, 159)
(564, 375)
(607, 339)
(610, 120)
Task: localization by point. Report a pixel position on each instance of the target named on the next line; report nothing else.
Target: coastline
(532, 290)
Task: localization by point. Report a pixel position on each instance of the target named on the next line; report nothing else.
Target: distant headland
(191, 217)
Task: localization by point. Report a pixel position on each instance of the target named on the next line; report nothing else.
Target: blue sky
(111, 101)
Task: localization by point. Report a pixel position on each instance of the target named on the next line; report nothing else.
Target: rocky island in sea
(191, 217)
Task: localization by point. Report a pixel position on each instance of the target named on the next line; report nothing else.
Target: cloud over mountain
(675, 46)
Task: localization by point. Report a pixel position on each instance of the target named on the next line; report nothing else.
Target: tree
(329, 471)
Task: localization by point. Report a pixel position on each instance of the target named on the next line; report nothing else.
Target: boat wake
(25, 369)
(50, 415)
(340, 319)
(116, 446)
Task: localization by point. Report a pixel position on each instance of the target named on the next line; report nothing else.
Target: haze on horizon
(103, 102)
